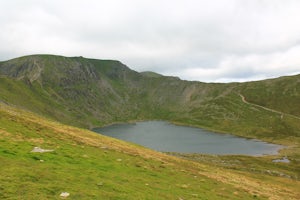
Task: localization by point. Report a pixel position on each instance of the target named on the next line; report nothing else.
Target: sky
(202, 40)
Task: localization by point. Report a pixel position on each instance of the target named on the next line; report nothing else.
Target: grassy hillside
(37, 92)
(88, 93)
(282, 94)
(91, 166)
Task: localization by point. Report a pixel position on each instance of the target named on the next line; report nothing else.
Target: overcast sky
(204, 40)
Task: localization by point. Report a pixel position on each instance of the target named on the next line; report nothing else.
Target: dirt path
(269, 109)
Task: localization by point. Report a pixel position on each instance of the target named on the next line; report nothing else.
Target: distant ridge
(151, 74)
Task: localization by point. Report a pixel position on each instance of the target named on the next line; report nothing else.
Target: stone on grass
(100, 184)
(40, 150)
(64, 194)
(184, 186)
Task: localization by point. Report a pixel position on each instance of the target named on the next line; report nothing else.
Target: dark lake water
(166, 137)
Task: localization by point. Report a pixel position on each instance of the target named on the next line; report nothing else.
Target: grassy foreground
(91, 166)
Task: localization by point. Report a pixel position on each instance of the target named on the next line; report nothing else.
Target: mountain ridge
(89, 93)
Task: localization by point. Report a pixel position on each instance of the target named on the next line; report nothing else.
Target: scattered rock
(41, 160)
(146, 184)
(64, 194)
(283, 160)
(119, 159)
(40, 150)
(184, 186)
(100, 184)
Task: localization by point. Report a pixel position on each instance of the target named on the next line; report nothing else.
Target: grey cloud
(217, 40)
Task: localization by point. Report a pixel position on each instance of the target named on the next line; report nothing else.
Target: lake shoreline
(192, 141)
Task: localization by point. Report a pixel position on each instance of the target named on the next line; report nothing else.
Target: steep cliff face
(23, 68)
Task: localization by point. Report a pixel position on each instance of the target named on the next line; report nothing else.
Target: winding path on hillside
(269, 109)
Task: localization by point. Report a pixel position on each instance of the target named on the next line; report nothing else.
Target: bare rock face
(26, 68)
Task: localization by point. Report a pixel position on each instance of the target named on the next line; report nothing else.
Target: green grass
(87, 93)
(88, 166)
(256, 165)
(230, 114)
(281, 94)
